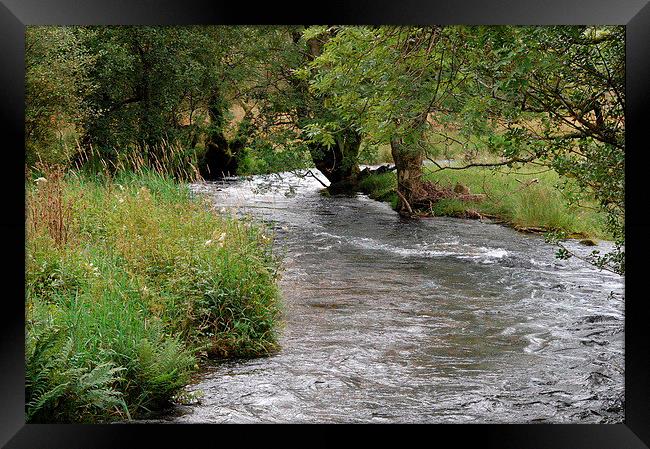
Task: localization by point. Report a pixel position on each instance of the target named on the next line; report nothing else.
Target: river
(437, 320)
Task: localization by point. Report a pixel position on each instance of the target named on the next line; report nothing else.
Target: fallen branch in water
(317, 178)
(309, 172)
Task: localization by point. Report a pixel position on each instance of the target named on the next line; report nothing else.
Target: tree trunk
(219, 159)
(339, 162)
(408, 163)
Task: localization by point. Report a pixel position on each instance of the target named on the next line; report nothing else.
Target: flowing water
(437, 320)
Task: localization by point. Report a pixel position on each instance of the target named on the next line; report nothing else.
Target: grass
(380, 187)
(130, 282)
(524, 198)
(169, 158)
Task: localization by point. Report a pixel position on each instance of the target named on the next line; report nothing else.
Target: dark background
(15, 14)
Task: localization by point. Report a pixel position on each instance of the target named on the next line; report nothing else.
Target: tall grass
(143, 282)
(166, 158)
(381, 187)
(526, 199)
(49, 210)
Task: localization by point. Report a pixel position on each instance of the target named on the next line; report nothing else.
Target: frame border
(15, 15)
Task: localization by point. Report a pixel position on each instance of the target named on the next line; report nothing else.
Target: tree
(290, 116)
(556, 96)
(393, 81)
(56, 82)
(140, 77)
(156, 86)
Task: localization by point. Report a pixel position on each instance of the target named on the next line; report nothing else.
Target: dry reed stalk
(47, 208)
(167, 158)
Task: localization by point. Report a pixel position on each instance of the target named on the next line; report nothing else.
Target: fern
(162, 371)
(96, 386)
(44, 399)
(57, 388)
(44, 360)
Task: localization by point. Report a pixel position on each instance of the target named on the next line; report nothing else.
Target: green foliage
(148, 278)
(380, 187)
(57, 386)
(450, 207)
(129, 89)
(56, 84)
(375, 154)
(552, 96)
(272, 155)
(388, 79)
(526, 199)
(521, 198)
(170, 159)
(557, 95)
(291, 118)
(151, 82)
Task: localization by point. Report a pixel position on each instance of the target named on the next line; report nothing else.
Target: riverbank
(130, 283)
(525, 199)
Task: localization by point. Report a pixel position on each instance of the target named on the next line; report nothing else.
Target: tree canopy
(260, 99)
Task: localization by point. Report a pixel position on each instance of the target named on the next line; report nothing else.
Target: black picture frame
(16, 14)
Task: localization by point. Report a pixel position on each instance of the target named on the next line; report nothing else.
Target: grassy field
(525, 198)
(130, 282)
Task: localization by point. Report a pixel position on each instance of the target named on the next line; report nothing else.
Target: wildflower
(93, 269)
(222, 237)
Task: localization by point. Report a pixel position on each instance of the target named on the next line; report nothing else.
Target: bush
(145, 280)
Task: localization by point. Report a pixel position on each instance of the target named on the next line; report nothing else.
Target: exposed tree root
(430, 193)
(406, 203)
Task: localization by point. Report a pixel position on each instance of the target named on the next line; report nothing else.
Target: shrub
(145, 279)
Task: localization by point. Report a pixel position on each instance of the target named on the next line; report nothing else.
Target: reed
(165, 158)
(48, 209)
(130, 282)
